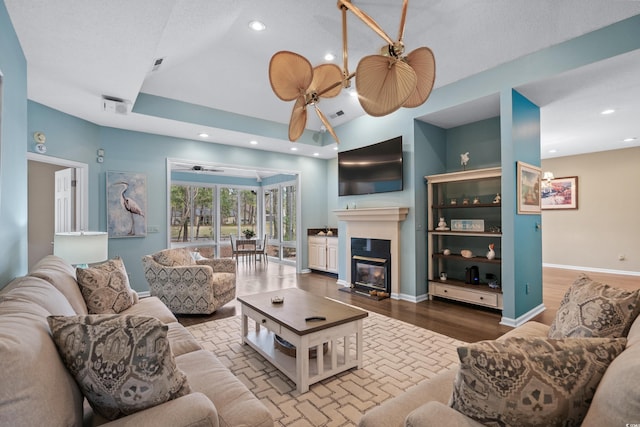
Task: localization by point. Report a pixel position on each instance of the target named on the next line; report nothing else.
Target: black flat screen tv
(372, 169)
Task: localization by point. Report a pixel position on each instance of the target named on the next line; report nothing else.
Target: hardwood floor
(464, 322)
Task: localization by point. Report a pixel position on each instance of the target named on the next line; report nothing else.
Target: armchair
(187, 286)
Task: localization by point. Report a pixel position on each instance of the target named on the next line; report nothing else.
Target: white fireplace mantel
(375, 223)
(395, 214)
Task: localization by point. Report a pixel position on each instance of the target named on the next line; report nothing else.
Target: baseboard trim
(410, 298)
(593, 269)
(514, 323)
(305, 271)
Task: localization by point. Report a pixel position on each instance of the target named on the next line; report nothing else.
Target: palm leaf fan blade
(290, 75)
(298, 119)
(424, 64)
(324, 77)
(383, 84)
(326, 123)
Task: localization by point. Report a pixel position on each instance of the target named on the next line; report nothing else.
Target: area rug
(397, 355)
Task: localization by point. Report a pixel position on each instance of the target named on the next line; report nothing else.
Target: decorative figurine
(442, 225)
(447, 252)
(464, 159)
(491, 254)
(497, 198)
(465, 201)
(453, 202)
(476, 200)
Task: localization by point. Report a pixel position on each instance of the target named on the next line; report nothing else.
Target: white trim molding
(514, 323)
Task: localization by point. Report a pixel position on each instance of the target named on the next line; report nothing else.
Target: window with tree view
(192, 213)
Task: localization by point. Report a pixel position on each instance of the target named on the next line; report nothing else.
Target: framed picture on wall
(560, 193)
(528, 177)
(126, 204)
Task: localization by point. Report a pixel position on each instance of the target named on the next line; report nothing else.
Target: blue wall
(126, 151)
(13, 158)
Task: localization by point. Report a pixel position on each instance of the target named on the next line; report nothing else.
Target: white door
(64, 194)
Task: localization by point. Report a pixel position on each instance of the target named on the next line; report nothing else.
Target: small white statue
(464, 159)
(497, 198)
(442, 225)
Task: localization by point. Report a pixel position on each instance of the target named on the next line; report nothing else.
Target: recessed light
(329, 57)
(294, 148)
(253, 142)
(335, 148)
(553, 150)
(203, 135)
(629, 139)
(316, 154)
(609, 111)
(257, 26)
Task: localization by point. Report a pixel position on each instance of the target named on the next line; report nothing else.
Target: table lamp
(81, 248)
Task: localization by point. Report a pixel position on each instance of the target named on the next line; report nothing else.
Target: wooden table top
(298, 305)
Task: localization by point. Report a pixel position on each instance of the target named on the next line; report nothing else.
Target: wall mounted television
(371, 169)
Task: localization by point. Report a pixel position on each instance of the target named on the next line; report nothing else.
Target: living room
(78, 140)
(593, 237)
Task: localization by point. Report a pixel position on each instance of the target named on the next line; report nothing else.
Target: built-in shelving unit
(468, 196)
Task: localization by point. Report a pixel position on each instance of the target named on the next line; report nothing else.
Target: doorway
(41, 179)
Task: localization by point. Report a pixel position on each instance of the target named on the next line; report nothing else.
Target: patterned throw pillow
(105, 287)
(531, 381)
(174, 257)
(123, 364)
(593, 309)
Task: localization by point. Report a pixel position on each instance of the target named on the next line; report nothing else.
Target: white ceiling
(79, 50)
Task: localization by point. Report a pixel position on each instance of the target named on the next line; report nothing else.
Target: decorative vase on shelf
(491, 254)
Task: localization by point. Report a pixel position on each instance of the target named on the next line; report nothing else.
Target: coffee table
(342, 330)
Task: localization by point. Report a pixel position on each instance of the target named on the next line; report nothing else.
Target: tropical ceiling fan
(384, 82)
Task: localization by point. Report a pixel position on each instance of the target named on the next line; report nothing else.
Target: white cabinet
(323, 253)
(332, 254)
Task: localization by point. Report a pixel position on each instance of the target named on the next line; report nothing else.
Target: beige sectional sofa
(616, 401)
(37, 389)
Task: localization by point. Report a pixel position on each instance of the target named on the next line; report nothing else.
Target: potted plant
(248, 233)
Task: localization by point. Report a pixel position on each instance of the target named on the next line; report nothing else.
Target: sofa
(38, 387)
(188, 283)
(610, 395)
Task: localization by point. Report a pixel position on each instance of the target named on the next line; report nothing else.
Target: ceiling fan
(197, 168)
(384, 82)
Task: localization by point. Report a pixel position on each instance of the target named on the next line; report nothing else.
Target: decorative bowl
(466, 253)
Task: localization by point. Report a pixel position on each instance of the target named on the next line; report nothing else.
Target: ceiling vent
(115, 105)
(156, 64)
(337, 114)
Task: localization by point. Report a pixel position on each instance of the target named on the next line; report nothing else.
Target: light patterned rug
(397, 355)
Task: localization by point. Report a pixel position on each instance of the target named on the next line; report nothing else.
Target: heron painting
(126, 204)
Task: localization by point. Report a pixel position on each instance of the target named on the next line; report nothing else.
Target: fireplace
(374, 223)
(371, 265)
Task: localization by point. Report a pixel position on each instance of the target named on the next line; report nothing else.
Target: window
(193, 215)
(280, 221)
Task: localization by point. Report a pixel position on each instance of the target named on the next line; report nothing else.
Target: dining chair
(261, 249)
(236, 251)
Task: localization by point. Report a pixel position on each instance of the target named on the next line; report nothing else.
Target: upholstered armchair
(189, 286)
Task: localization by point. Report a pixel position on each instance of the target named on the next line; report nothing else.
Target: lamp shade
(81, 247)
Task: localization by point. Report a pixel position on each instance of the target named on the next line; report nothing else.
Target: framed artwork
(126, 204)
(560, 193)
(528, 177)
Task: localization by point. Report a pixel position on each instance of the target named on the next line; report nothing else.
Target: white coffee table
(342, 330)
